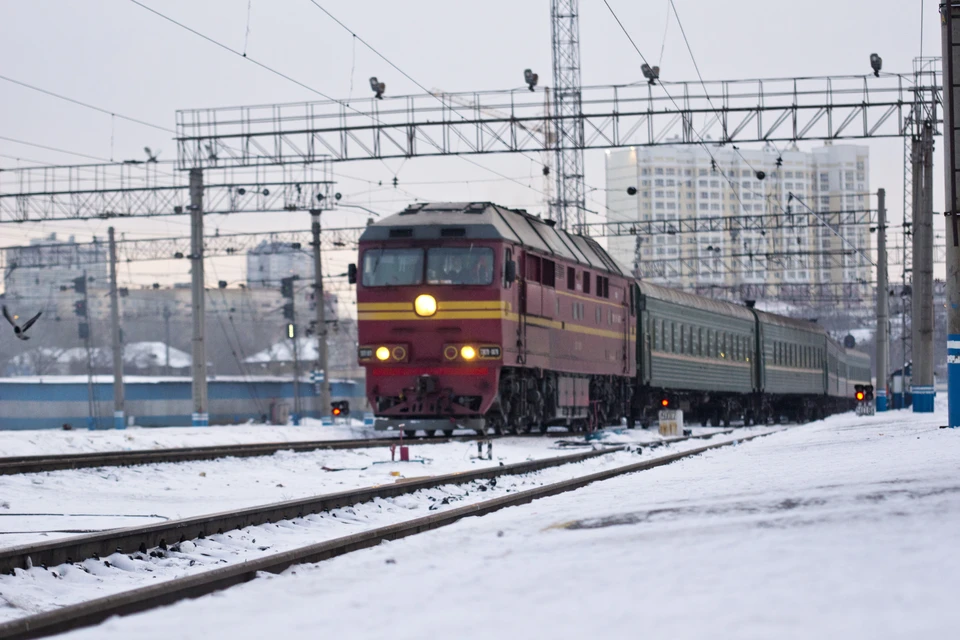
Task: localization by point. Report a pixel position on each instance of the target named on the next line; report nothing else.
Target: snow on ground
(51, 441)
(80, 500)
(39, 589)
(845, 528)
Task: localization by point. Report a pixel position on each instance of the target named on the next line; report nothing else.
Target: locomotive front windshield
(473, 265)
(445, 265)
(392, 267)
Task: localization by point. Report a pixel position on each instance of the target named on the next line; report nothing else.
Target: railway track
(42, 463)
(141, 538)
(36, 464)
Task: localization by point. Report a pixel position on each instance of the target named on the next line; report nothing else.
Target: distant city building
(269, 262)
(38, 272)
(683, 183)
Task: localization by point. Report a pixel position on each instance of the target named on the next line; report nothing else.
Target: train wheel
(409, 434)
(448, 432)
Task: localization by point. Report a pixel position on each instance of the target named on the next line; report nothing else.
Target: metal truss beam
(139, 190)
(733, 111)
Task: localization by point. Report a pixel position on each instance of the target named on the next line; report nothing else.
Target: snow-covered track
(94, 611)
(41, 463)
(162, 534)
(58, 462)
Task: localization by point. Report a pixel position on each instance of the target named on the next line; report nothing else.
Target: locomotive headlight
(383, 354)
(425, 305)
(468, 353)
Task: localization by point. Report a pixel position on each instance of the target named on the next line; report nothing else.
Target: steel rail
(95, 611)
(41, 463)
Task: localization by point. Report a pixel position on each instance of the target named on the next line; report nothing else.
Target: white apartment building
(734, 257)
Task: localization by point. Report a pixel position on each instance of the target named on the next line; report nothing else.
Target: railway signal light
(80, 285)
(861, 393)
(291, 330)
(80, 308)
(286, 287)
(340, 408)
(288, 311)
(665, 403)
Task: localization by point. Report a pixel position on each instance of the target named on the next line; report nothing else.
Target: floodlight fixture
(530, 78)
(377, 87)
(876, 63)
(652, 74)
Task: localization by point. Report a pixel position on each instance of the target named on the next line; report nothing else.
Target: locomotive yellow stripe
(441, 305)
(494, 315)
(439, 315)
(385, 306)
(473, 304)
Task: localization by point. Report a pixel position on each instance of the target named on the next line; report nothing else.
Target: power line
(85, 104)
(42, 146)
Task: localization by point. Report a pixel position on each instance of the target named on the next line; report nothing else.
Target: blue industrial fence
(51, 402)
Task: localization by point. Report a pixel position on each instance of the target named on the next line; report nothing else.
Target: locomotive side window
(549, 273)
(507, 258)
(586, 282)
(392, 267)
(533, 268)
(470, 266)
(571, 278)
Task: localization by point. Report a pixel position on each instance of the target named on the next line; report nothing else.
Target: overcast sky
(119, 56)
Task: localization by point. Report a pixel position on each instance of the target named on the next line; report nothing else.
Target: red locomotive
(474, 316)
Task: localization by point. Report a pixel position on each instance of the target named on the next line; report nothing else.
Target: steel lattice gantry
(569, 209)
(437, 124)
(117, 190)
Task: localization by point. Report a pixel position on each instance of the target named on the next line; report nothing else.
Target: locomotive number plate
(489, 353)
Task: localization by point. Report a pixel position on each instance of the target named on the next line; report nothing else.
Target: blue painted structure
(953, 380)
(49, 402)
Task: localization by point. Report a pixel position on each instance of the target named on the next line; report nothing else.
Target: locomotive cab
(433, 284)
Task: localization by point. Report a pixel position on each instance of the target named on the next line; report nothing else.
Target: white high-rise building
(732, 256)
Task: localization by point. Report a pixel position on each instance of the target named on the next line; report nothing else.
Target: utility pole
(201, 417)
(950, 31)
(321, 331)
(116, 340)
(922, 369)
(883, 301)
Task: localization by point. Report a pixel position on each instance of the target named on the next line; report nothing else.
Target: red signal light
(664, 403)
(336, 411)
(859, 395)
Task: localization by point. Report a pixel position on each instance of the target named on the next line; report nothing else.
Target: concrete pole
(201, 417)
(950, 31)
(116, 341)
(883, 300)
(922, 369)
(321, 331)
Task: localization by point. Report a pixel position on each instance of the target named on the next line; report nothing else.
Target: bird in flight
(20, 332)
